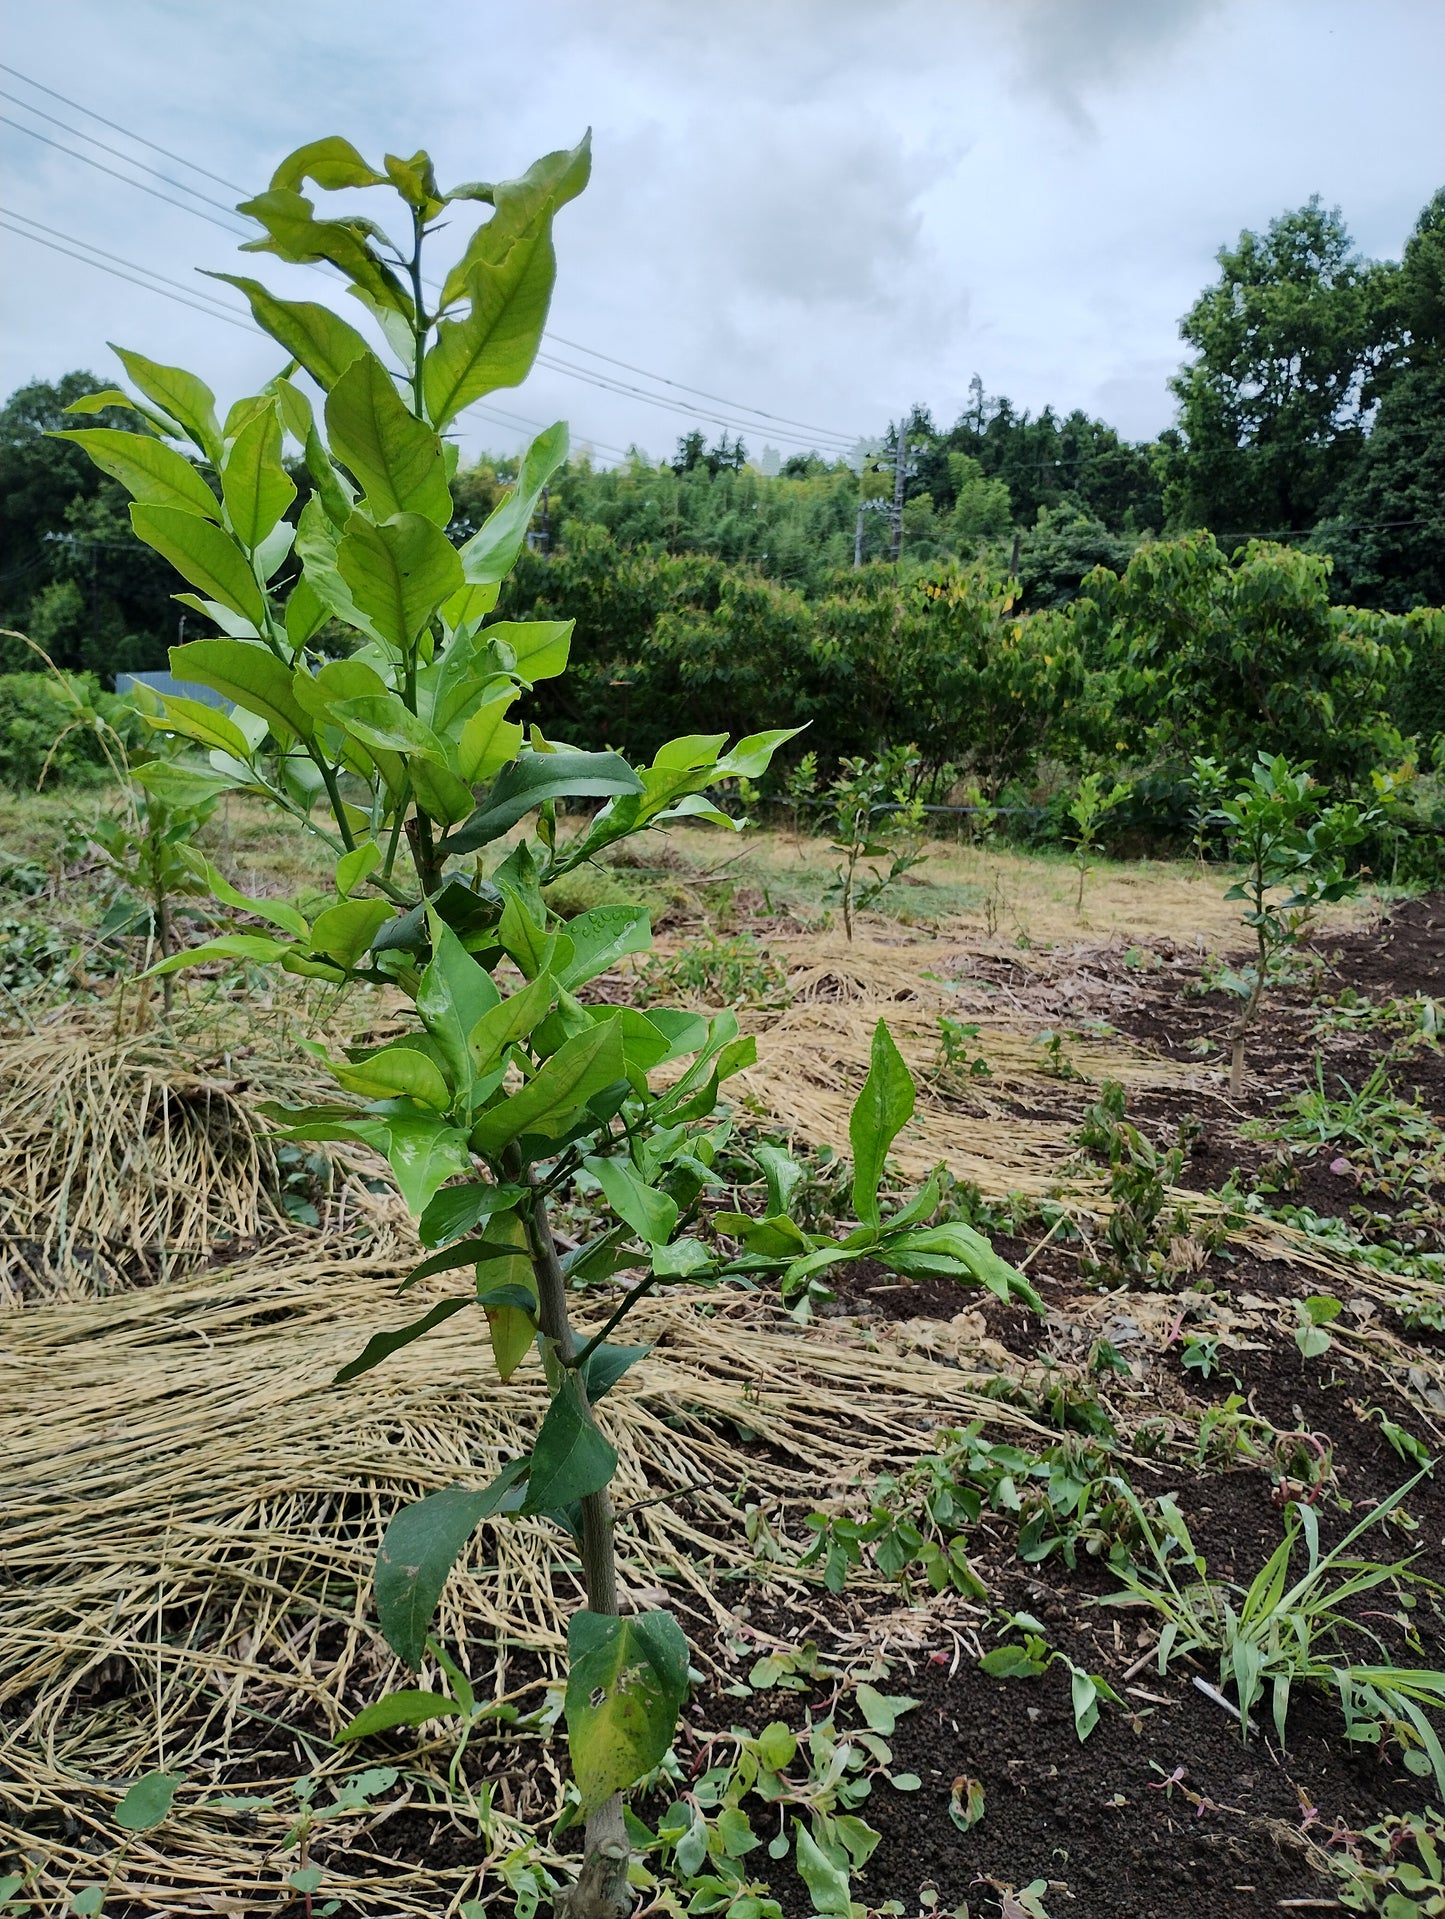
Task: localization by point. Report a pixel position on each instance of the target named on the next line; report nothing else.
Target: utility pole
(900, 474)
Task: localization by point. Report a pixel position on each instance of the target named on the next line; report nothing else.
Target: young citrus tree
(442, 812)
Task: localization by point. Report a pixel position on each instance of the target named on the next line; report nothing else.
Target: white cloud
(824, 208)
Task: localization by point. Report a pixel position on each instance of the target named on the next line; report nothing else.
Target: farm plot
(964, 1585)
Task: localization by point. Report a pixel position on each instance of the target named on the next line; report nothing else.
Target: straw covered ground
(192, 1511)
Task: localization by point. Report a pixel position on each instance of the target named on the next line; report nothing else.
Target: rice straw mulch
(192, 1518)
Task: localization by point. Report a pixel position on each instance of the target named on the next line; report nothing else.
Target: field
(1241, 1343)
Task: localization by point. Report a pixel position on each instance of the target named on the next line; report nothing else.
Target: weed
(1062, 1499)
(953, 1061)
(1033, 1659)
(1396, 1868)
(1056, 1063)
(1088, 810)
(1273, 1635)
(876, 816)
(733, 971)
(1148, 1238)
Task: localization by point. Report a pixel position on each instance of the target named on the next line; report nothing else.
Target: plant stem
(601, 1890)
(1246, 1018)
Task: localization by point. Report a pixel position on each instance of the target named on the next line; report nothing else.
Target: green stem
(635, 1293)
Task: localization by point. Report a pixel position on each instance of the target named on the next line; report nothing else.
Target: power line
(193, 293)
(116, 152)
(101, 167)
(211, 312)
(820, 438)
(116, 127)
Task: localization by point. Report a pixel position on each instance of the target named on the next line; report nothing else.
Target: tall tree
(1387, 536)
(1289, 343)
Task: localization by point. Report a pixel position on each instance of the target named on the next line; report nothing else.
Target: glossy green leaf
(423, 1153)
(382, 1345)
(488, 739)
(626, 1683)
(882, 1110)
(605, 1365)
(508, 1291)
(147, 468)
(571, 1458)
(538, 648)
(395, 458)
(405, 1708)
(148, 1801)
(397, 573)
(491, 553)
(1011, 1662)
(353, 867)
(345, 932)
(243, 946)
(256, 487)
(418, 1551)
(827, 1884)
(535, 778)
(458, 1209)
(549, 1103)
(882, 1710)
(208, 725)
(249, 675)
(203, 553)
(279, 912)
(321, 340)
(600, 938)
(396, 1072)
(294, 233)
(651, 1215)
(180, 395)
(512, 1019)
(453, 995)
(494, 344)
(954, 1251)
(333, 163)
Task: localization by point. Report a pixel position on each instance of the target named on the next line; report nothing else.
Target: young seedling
(1292, 849)
(1089, 809)
(441, 814)
(1208, 781)
(875, 818)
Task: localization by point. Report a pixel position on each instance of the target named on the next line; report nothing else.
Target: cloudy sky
(818, 209)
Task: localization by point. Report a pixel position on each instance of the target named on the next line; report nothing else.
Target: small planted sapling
(1088, 810)
(441, 813)
(875, 818)
(1292, 848)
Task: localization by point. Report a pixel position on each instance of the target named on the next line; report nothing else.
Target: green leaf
(405, 1708)
(883, 1109)
(651, 1215)
(491, 553)
(488, 739)
(395, 458)
(203, 553)
(605, 1365)
(549, 1103)
(382, 1345)
(148, 1801)
(681, 1259)
(278, 912)
(305, 1879)
(882, 1710)
(600, 938)
(457, 1209)
(333, 163)
(423, 1152)
(454, 994)
(256, 487)
(87, 1901)
(538, 649)
(147, 468)
(208, 725)
(626, 1682)
(396, 1072)
(509, 1021)
(398, 573)
(495, 343)
(185, 399)
(246, 946)
(571, 1458)
(954, 1251)
(321, 340)
(827, 1884)
(777, 1746)
(966, 1803)
(353, 867)
(1010, 1662)
(418, 1551)
(535, 778)
(247, 674)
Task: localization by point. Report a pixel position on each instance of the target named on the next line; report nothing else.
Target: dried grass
(191, 1524)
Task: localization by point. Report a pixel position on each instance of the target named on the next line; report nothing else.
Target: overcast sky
(824, 209)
